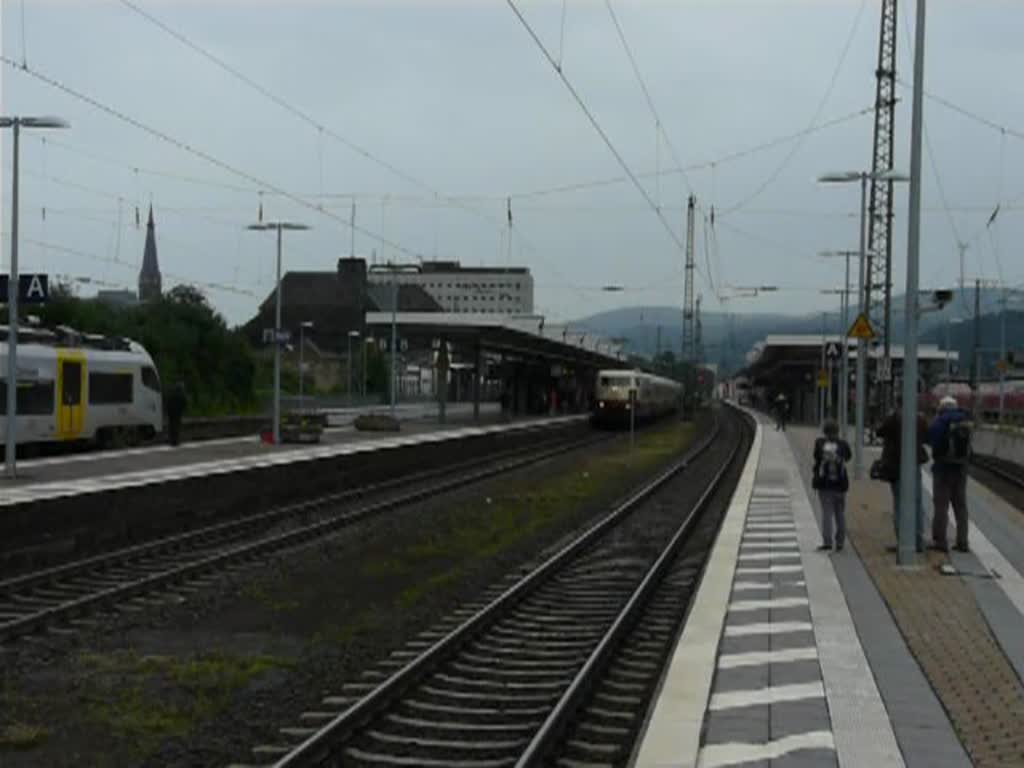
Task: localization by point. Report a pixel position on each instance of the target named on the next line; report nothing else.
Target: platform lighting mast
(688, 350)
(878, 282)
(698, 336)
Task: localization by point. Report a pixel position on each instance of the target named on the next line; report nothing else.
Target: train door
(71, 403)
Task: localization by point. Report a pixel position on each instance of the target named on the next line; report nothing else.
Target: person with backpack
(950, 438)
(831, 481)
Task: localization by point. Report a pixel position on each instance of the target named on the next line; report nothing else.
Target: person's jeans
(833, 505)
(919, 517)
(949, 486)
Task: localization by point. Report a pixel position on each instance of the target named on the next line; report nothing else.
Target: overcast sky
(457, 96)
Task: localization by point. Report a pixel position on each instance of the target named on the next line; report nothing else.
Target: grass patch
(470, 533)
(146, 699)
(22, 736)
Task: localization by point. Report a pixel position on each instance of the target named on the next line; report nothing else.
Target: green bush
(188, 340)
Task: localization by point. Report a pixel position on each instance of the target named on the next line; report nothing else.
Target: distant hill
(728, 338)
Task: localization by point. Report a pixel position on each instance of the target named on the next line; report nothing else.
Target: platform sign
(823, 379)
(1002, 366)
(32, 288)
(832, 351)
(883, 369)
(861, 328)
(283, 336)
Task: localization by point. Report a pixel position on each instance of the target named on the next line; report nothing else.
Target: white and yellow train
(80, 387)
(655, 396)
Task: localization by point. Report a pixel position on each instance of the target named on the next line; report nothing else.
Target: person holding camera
(950, 439)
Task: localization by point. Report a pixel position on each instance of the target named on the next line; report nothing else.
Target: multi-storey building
(476, 290)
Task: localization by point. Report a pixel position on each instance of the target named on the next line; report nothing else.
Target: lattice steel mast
(879, 261)
(688, 351)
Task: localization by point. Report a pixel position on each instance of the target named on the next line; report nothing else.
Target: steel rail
(561, 716)
(229, 527)
(319, 747)
(999, 470)
(253, 549)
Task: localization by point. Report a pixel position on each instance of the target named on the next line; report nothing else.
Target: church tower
(149, 277)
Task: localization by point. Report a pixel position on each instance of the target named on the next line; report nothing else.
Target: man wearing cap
(949, 437)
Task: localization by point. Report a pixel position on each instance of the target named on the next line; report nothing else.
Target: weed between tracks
(201, 686)
(469, 534)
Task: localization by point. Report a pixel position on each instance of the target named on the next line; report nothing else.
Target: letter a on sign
(861, 328)
(36, 290)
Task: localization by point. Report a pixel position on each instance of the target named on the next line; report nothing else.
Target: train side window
(150, 379)
(110, 388)
(35, 398)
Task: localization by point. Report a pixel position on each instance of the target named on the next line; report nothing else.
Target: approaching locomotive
(81, 387)
(655, 396)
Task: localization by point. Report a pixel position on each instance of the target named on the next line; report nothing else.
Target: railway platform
(89, 471)
(795, 657)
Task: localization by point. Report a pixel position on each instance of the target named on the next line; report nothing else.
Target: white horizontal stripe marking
(769, 526)
(771, 545)
(770, 695)
(770, 556)
(756, 658)
(771, 569)
(775, 602)
(768, 628)
(722, 755)
(741, 586)
(777, 536)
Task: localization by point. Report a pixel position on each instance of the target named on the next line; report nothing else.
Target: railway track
(60, 599)
(555, 665)
(1004, 470)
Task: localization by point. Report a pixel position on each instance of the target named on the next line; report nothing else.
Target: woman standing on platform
(888, 469)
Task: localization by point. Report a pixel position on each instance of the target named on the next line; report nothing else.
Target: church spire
(149, 276)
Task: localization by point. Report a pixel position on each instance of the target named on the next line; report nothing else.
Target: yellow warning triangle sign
(861, 328)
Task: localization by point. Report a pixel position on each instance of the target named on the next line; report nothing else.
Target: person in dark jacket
(176, 404)
(949, 475)
(781, 412)
(891, 433)
(831, 481)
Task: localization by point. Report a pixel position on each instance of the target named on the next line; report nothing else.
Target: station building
(791, 364)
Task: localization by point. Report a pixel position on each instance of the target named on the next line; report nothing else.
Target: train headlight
(600, 404)
(629, 406)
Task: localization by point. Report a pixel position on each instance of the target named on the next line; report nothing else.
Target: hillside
(728, 338)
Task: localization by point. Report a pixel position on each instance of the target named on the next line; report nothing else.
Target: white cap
(948, 404)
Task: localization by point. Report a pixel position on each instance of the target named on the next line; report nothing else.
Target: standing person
(950, 438)
(781, 411)
(831, 481)
(890, 431)
(176, 404)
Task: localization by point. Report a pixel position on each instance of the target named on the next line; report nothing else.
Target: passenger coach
(655, 396)
(81, 387)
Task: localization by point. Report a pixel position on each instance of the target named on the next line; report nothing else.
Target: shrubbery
(188, 339)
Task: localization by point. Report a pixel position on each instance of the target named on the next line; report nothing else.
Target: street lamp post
(279, 227)
(11, 444)
(844, 386)
(909, 471)
(302, 361)
(847, 177)
(351, 335)
(366, 342)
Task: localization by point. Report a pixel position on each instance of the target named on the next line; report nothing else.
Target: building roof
(455, 266)
(311, 288)
(523, 335)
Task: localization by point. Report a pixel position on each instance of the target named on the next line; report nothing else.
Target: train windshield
(621, 380)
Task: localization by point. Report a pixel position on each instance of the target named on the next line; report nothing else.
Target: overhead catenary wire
(296, 111)
(595, 124)
(658, 122)
(201, 154)
(777, 171)
(705, 164)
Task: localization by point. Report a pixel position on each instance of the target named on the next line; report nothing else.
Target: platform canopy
(523, 336)
(778, 355)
